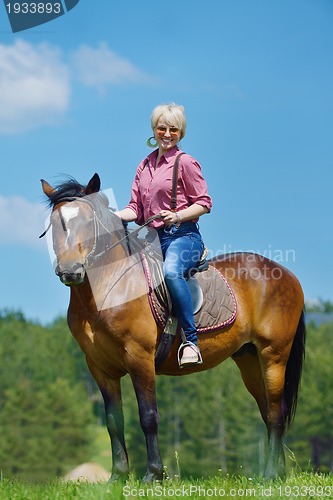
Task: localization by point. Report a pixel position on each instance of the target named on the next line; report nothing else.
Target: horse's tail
(294, 371)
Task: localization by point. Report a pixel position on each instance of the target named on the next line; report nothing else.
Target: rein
(97, 222)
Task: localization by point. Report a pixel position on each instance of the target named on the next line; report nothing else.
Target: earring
(150, 144)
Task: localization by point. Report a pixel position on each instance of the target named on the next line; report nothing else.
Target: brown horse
(110, 317)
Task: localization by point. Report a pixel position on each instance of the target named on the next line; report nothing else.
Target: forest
(51, 410)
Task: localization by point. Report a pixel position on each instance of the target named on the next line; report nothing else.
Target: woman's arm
(191, 212)
(127, 214)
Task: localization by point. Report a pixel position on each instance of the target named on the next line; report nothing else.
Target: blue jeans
(182, 248)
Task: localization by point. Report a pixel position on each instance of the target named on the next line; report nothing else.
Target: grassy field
(298, 486)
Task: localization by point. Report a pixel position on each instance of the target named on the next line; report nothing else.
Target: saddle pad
(219, 306)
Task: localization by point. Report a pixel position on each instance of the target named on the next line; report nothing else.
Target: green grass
(303, 485)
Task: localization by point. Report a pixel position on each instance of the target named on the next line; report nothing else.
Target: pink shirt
(151, 188)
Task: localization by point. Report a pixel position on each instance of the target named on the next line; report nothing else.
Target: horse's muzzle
(73, 275)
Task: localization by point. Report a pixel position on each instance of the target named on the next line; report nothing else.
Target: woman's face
(167, 136)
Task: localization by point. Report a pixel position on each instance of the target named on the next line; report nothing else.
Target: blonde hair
(172, 114)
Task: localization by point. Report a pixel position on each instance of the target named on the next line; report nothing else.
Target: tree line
(209, 424)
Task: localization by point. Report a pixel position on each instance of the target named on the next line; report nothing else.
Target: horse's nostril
(71, 274)
(69, 278)
(77, 268)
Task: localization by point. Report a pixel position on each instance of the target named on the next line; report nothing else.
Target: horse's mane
(68, 188)
(71, 188)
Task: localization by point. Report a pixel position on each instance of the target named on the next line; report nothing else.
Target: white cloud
(34, 86)
(36, 80)
(21, 222)
(101, 66)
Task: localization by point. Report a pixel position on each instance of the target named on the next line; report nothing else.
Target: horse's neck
(115, 279)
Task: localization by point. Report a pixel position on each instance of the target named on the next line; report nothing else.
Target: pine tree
(45, 415)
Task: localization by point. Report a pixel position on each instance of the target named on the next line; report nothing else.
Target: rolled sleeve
(195, 186)
(135, 202)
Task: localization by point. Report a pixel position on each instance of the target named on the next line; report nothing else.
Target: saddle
(213, 300)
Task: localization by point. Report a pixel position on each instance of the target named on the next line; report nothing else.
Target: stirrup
(195, 348)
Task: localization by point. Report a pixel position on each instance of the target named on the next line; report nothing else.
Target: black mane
(70, 188)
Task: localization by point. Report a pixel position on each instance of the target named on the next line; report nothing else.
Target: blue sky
(256, 80)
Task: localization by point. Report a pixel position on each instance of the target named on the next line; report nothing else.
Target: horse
(110, 317)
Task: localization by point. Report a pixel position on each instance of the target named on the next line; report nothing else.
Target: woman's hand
(169, 218)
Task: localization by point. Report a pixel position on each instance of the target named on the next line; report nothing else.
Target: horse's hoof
(118, 478)
(151, 477)
(274, 474)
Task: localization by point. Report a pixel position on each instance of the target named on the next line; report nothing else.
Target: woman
(181, 242)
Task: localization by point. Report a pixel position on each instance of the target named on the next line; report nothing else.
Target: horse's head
(74, 226)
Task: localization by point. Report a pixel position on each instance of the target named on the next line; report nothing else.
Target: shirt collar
(168, 156)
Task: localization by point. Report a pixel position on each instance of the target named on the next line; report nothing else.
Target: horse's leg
(144, 382)
(115, 425)
(111, 392)
(248, 363)
(265, 381)
(274, 376)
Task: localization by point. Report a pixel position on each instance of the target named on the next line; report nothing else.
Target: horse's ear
(93, 185)
(47, 188)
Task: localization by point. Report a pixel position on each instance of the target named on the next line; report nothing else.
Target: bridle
(92, 256)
